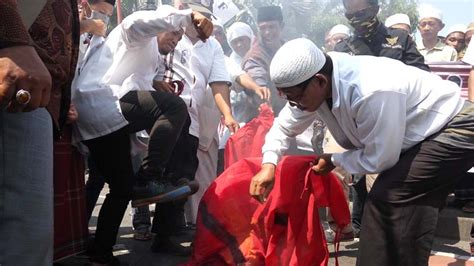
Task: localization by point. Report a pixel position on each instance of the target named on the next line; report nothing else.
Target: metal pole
(119, 11)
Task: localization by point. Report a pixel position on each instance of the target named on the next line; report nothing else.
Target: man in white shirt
(200, 66)
(407, 124)
(114, 97)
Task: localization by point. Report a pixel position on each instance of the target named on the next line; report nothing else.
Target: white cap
(457, 28)
(296, 61)
(398, 18)
(239, 29)
(339, 28)
(428, 11)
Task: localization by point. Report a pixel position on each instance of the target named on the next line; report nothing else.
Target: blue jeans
(26, 188)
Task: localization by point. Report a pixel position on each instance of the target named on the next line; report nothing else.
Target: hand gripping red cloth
(247, 142)
(284, 231)
(287, 230)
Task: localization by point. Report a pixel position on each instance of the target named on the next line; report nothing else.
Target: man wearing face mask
(371, 37)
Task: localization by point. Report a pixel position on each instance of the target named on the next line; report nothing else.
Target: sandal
(144, 235)
(468, 207)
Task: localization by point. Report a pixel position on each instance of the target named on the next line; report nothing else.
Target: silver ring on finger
(23, 97)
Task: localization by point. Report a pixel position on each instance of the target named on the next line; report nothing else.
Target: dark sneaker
(159, 192)
(169, 245)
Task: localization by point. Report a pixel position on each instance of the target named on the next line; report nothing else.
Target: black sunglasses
(366, 12)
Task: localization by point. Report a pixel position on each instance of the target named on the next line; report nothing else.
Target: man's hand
(202, 24)
(231, 124)
(21, 68)
(262, 183)
(323, 165)
(163, 86)
(94, 27)
(263, 93)
(72, 114)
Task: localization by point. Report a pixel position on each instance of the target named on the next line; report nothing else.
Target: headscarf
(236, 30)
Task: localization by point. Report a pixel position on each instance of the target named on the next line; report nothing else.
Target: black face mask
(365, 21)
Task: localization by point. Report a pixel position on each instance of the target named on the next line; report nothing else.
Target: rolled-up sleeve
(290, 122)
(141, 26)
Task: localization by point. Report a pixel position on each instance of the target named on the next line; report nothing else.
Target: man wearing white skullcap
(398, 21)
(335, 35)
(456, 39)
(431, 46)
(407, 124)
(372, 37)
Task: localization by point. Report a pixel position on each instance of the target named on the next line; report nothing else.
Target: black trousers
(164, 115)
(169, 217)
(401, 210)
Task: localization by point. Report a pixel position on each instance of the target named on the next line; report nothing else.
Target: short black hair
(370, 2)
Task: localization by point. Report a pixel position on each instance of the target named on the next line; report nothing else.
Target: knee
(179, 109)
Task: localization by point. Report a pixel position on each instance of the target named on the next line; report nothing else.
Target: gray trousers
(26, 188)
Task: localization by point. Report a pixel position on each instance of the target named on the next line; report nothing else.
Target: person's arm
(412, 57)
(381, 129)
(257, 71)
(142, 26)
(246, 81)
(14, 32)
(93, 26)
(289, 123)
(20, 65)
(221, 90)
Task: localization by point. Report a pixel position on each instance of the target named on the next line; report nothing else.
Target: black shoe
(106, 260)
(159, 192)
(356, 232)
(169, 245)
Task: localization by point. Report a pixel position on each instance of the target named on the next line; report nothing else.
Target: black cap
(112, 2)
(269, 13)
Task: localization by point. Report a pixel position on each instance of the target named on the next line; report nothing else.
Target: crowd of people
(151, 104)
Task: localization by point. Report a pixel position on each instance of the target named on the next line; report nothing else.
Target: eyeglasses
(294, 100)
(360, 14)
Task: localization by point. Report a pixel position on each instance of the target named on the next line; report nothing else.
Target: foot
(169, 245)
(159, 192)
(108, 260)
(343, 237)
(142, 234)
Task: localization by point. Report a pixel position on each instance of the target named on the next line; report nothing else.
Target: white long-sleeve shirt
(381, 107)
(126, 61)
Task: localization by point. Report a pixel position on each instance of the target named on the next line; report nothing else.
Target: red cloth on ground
(247, 142)
(70, 222)
(287, 229)
(284, 231)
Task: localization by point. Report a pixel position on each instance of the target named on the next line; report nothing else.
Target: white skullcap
(398, 18)
(296, 61)
(339, 28)
(239, 29)
(428, 11)
(457, 28)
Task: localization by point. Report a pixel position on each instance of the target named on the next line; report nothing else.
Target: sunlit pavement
(133, 252)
